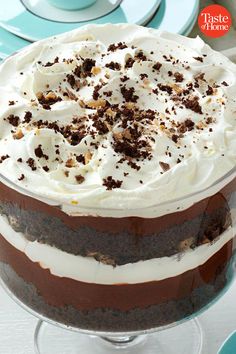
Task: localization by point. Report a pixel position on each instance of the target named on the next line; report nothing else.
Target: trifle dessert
(117, 163)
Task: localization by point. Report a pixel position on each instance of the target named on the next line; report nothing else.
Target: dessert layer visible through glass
(117, 274)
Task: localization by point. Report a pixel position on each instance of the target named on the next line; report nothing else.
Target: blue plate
(10, 43)
(172, 15)
(229, 346)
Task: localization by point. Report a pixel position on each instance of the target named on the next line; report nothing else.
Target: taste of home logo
(214, 21)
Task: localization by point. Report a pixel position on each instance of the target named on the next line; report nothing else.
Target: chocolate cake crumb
(128, 94)
(4, 157)
(198, 59)
(39, 152)
(71, 80)
(165, 88)
(129, 63)
(193, 104)
(209, 91)
(133, 165)
(143, 76)
(124, 78)
(165, 166)
(19, 160)
(157, 66)
(56, 60)
(107, 93)
(113, 47)
(22, 176)
(80, 158)
(27, 117)
(96, 92)
(224, 83)
(110, 183)
(11, 103)
(31, 163)
(85, 70)
(80, 179)
(13, 120)
(178, 77)
(46, 168)
(175, 138)
(113, 66)
(140, 56)
(187, 125)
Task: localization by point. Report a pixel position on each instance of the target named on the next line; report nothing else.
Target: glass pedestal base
(181, 339)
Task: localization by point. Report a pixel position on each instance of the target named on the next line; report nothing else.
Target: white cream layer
(86, 269)
(198, 169)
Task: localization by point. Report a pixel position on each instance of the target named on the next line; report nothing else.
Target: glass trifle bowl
(117, 193)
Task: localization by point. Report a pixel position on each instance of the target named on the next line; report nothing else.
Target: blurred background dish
(22, 22)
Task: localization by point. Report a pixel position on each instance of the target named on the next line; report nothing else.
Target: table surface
(17, 326)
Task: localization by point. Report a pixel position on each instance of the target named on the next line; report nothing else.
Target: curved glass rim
(216, 186)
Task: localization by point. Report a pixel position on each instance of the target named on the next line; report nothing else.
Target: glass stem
(121, 341)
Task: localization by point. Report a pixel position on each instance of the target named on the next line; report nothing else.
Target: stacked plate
(25, 21)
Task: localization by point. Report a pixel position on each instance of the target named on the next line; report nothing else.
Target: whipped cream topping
(117, 116)
(87, 269)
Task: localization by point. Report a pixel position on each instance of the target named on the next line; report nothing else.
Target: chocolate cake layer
(108, 319)
(118, 241)
(96, 306)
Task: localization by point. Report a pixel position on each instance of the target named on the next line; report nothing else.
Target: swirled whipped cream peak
(117, 116)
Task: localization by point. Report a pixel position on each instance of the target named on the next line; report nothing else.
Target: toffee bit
(80, 179)
(110, 183)
(22, 176)
(13, 120)
(165, 166)
(31, 163)
(47, 100)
